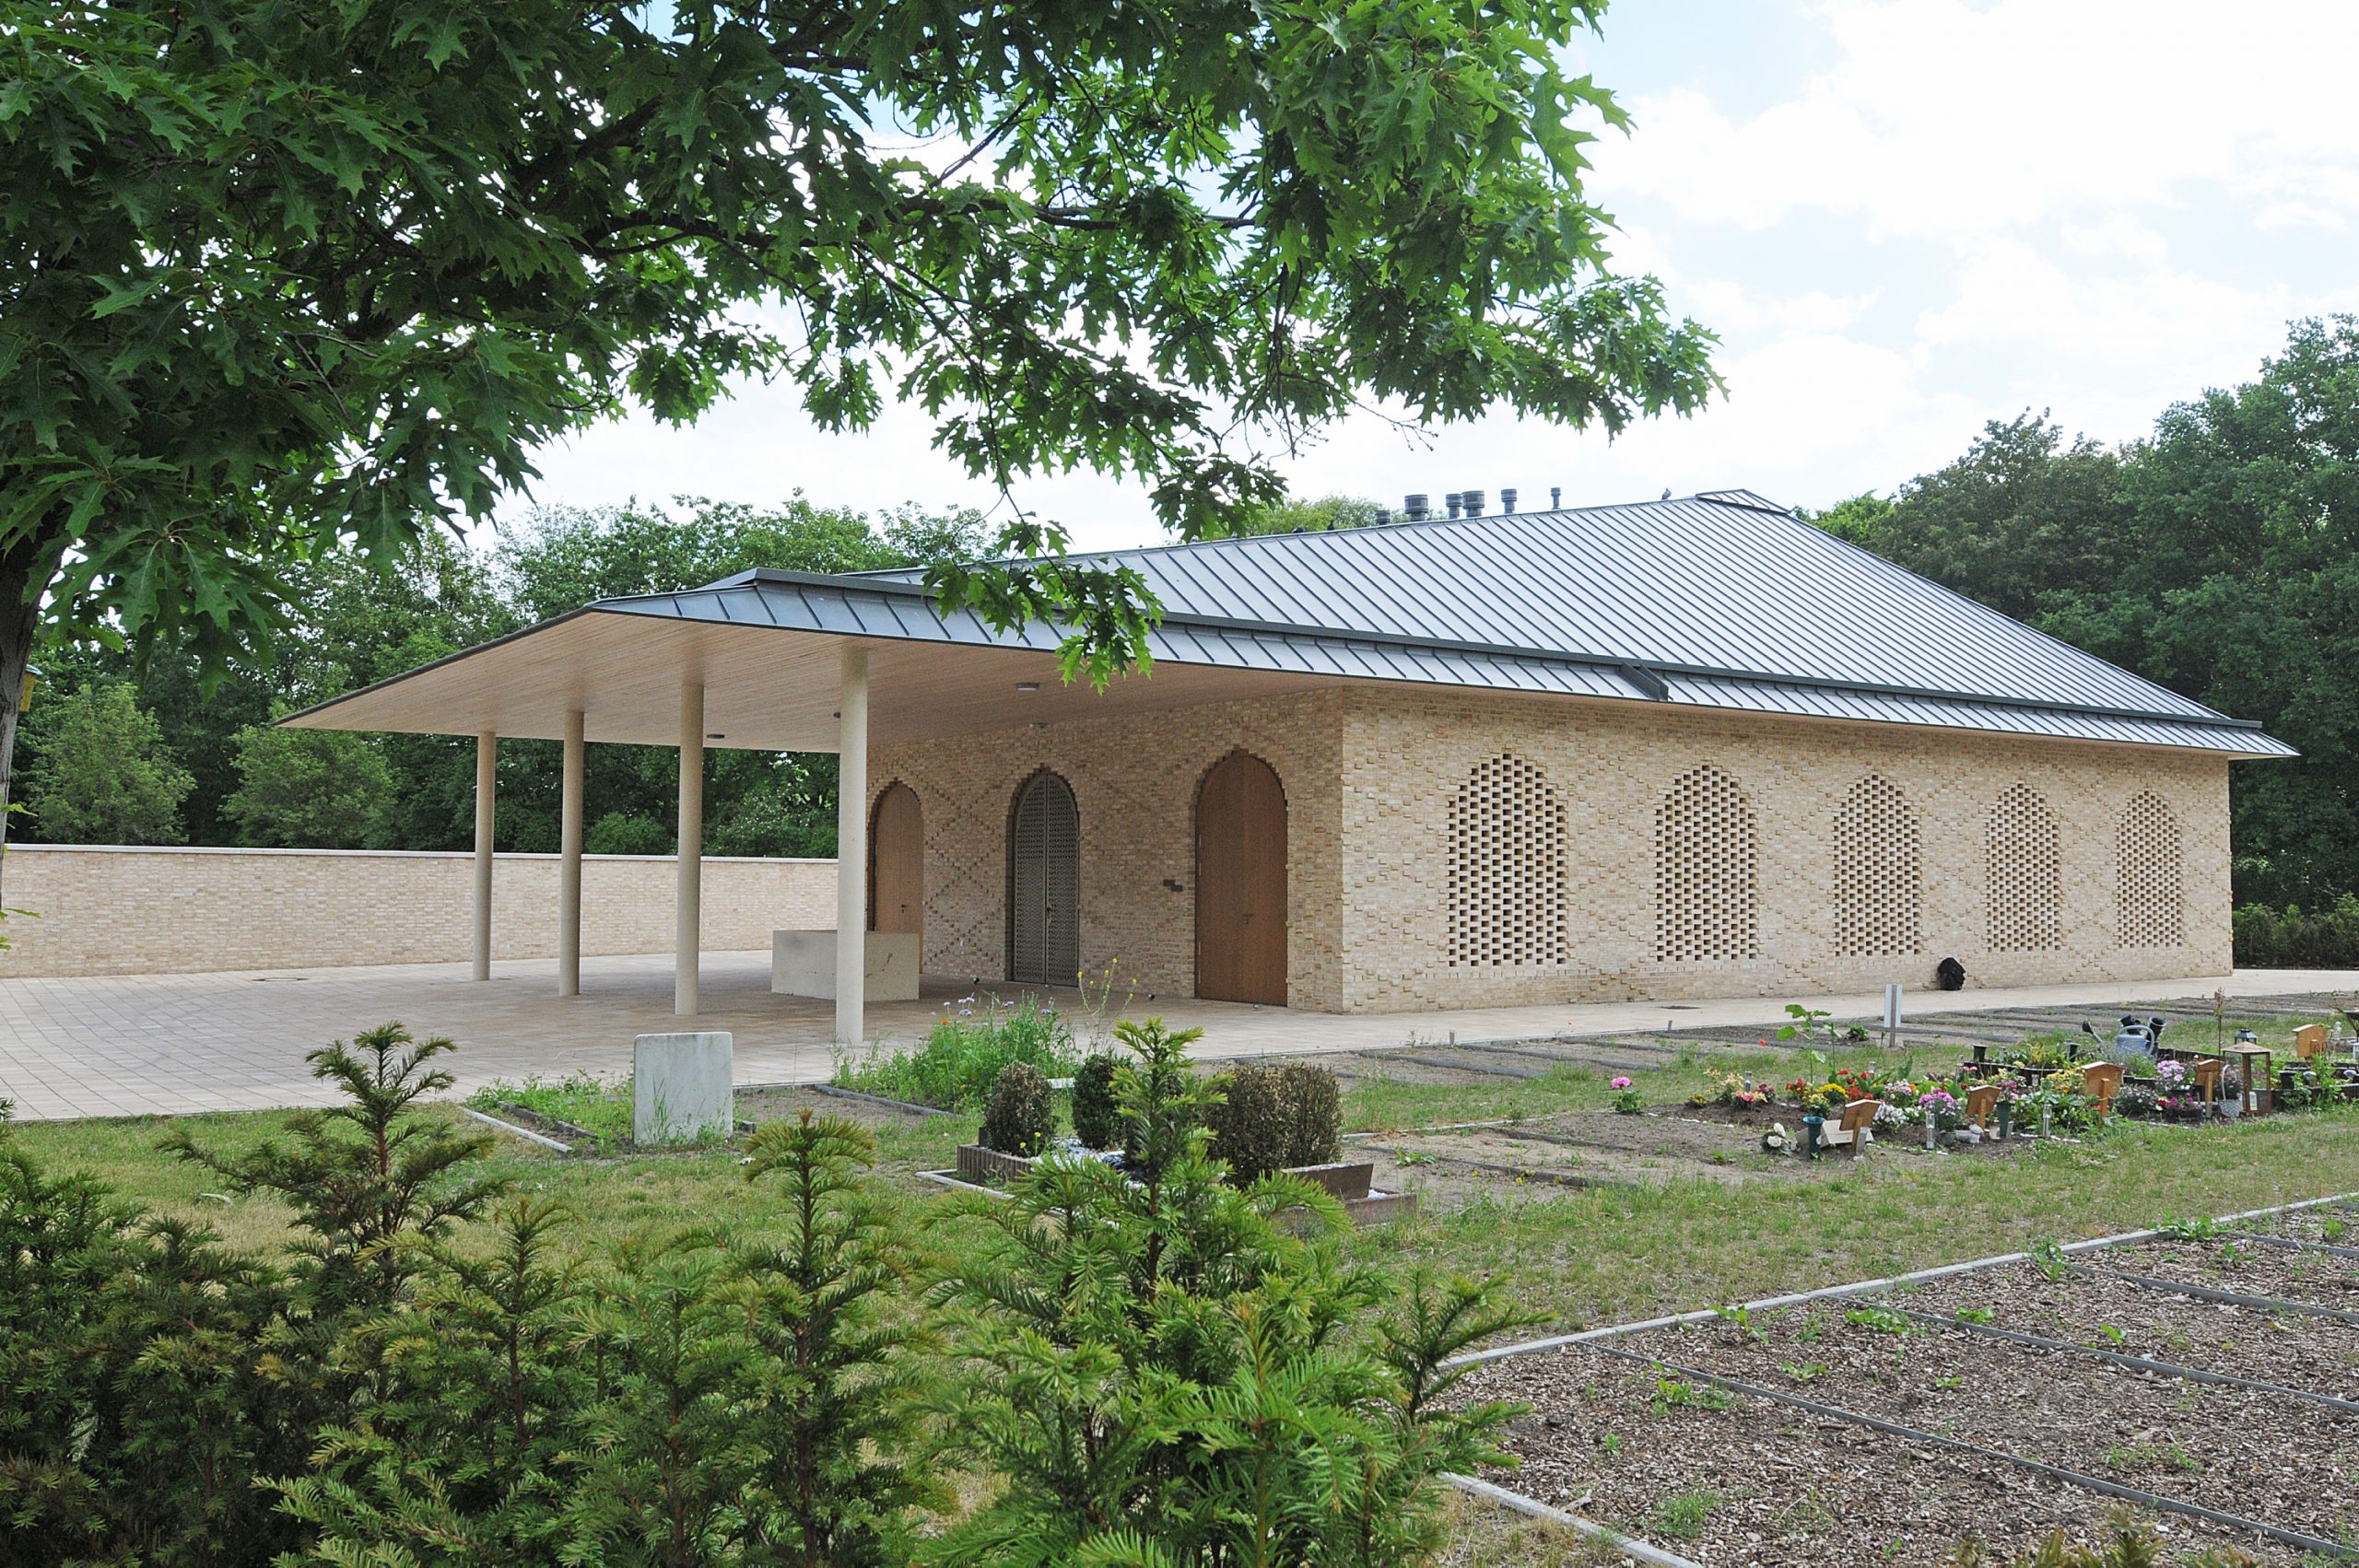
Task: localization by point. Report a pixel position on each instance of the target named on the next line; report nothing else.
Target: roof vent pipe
(1475, 500)
(1415, 504)
(1383, 515)
(1506, 499)
(1555, 497)
(1453, 501)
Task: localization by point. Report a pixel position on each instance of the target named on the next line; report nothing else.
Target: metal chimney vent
(1506, 499)
(1453, 500)
(1474, 501)
(1555, 497)
(1383, 515)
(1416, 505)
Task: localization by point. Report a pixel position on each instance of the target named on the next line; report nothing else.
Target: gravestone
(680, 1087)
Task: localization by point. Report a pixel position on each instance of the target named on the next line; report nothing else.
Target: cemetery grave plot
(1787, 1434)
(2243, 1267)
(2104, 1314)
(1726, 1480)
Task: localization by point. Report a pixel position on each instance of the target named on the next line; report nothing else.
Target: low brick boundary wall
(109, 910)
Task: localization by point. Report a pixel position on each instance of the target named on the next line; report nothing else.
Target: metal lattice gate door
(1044, 885)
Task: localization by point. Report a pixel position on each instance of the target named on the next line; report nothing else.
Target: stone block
(804, 964)
(681, 1087)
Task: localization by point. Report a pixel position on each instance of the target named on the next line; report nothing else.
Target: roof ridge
(1752, 501)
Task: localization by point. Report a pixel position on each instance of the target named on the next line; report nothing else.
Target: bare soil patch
(759, 1105)
(1755, 1482)
(2114, 1314)
(2287, 1462)
(2247, 1269)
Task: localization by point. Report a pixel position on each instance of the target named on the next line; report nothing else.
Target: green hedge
(2292, 938)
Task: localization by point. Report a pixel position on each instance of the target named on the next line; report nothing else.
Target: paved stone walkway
(156, 1044)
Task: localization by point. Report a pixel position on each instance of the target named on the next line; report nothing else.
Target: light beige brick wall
(123, 911)
(1368, 776)
(1134, 782)
(1611, 765)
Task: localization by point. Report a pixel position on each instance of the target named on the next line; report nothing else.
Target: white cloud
(1939, 118)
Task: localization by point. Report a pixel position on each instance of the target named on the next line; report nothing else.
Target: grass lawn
(1583, 1258)
(1580, 1257)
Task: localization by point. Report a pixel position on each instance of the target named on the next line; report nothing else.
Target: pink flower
(1621, 1084)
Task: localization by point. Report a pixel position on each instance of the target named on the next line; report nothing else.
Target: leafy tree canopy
(1312, 517)
(281, 272)
(103, 775)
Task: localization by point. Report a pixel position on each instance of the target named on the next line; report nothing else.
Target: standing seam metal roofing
(1282, 637)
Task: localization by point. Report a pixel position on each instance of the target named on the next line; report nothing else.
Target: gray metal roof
(1718, 601)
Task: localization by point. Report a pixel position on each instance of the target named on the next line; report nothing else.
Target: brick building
(1678, 749)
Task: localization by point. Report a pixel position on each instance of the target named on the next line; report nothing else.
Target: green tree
(103, 775)
(1168, 1369)
(1857, 520)
(281, 272)
(2023, 516)
(309, 788)
(1312, 517)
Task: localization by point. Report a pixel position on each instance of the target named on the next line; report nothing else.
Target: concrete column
(851, 848)
(569, 848)
(487, 792)
(688, 933)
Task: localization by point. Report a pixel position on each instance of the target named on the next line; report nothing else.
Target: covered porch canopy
(862, 663)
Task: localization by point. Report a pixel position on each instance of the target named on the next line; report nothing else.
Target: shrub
(1096, 1114)
(1185, 1326)
(1022, 1113)
(1249, 1123)
(961, 1059)
(2290, 938)
(1313, 1104)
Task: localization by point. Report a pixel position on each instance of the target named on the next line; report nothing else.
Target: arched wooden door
(1241, 883)
(1044, 885)
(896, 863)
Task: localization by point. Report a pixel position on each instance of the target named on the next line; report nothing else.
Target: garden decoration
(1777, 1141)
(1981, 1103)
(2254, 1077)
(2100, 1083)
(1853, 1128)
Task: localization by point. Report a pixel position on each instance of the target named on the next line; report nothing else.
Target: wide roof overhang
(767, 647)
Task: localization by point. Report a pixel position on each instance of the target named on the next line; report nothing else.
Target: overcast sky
(1902, 217)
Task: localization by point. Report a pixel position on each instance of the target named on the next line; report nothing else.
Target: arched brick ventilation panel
(1507, 867)
(1706, 876)
(2026, 874)
(1879, 874)
(2150, 910)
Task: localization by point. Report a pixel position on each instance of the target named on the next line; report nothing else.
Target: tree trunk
(21, 586)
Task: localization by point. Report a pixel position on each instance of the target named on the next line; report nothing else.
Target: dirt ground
(1663, 1441)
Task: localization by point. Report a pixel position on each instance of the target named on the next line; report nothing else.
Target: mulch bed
(2263, 1457)
(2250, 1268)
(2318, 1356)
(1777, 1486)
(1723, 1477)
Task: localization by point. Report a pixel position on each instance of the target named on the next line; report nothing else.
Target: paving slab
(235, 1040)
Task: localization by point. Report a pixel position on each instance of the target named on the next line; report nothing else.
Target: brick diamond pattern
(2025, 868)
(1879, 872)
(1506, 866)
(2150, 901)
(1707, 871)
